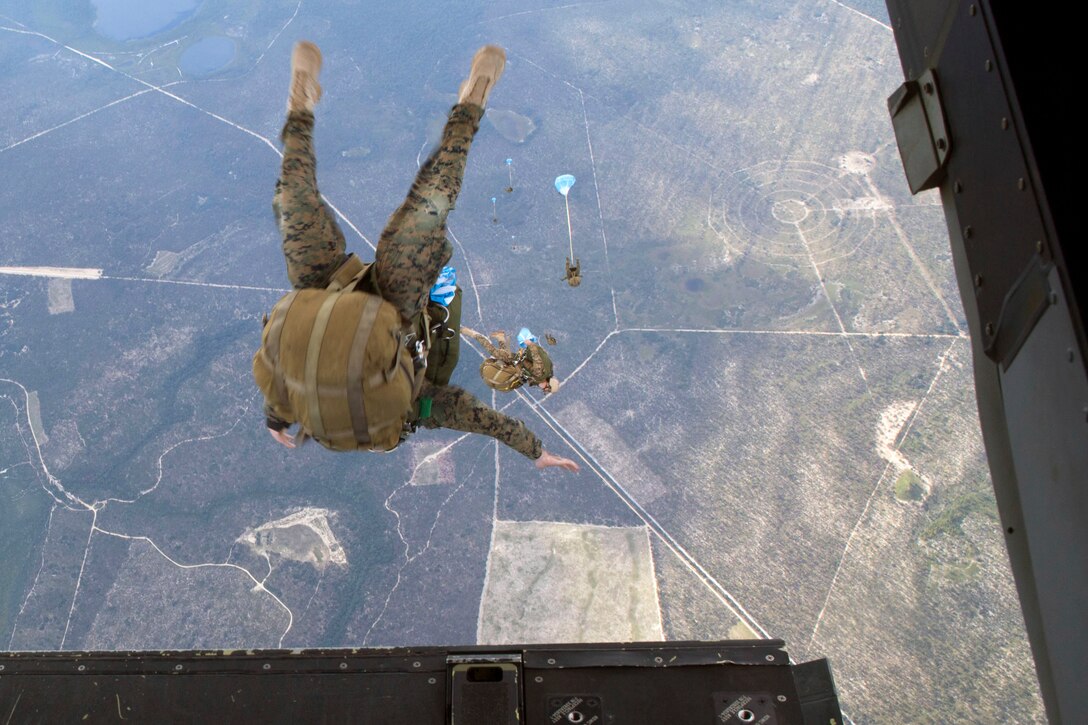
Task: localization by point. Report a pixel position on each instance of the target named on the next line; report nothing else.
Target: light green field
(550, 582)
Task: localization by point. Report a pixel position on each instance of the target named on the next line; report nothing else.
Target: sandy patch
(304, 536)
(60, 296)
(857, 162)
(34, 413)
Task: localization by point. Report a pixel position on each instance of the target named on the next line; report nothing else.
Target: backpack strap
(273, 346)
(500, 375)
(313, 354)
(348, 272)
(355, 370)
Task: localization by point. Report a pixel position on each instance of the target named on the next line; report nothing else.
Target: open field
(765, 373)
(569, 583)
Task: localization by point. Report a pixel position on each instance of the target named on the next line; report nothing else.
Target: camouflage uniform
(574, 272)
(411, 252)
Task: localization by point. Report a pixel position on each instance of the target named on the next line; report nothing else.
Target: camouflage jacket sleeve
(536, 363)
(457, 409)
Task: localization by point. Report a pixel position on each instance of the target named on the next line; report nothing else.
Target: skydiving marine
(574, 272)
(505, 369)
(348, 355)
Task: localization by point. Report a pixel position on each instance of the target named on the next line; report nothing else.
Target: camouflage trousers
(412, 248)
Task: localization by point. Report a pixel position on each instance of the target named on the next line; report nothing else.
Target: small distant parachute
(563, 183)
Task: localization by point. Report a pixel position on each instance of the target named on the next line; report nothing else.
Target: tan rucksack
(501, 376)
(333, 360)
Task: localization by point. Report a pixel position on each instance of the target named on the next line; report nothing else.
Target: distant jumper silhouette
(574, 272)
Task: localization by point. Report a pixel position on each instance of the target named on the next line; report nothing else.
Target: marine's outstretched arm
(549, 460)
(457, 409)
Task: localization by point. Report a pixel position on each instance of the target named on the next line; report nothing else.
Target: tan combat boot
(487, 66)
(305, 67)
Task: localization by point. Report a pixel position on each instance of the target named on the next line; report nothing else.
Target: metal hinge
(920, 131)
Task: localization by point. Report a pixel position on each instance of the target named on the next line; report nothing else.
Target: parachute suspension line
(563, 183)
(570, 234)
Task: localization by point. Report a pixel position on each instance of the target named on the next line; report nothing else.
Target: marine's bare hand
(283, 437)
(548, 460)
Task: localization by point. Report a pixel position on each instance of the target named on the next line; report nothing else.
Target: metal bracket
(1022, 307)
(920, 131)
(485, 688)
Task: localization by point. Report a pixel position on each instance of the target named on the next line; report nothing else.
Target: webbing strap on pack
(346, 274)
(355, 369)
(500, 378)
(313, 354)
(274, 346)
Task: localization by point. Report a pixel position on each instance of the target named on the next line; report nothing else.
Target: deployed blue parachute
(563, 183)
(525, 337)
(445, 287)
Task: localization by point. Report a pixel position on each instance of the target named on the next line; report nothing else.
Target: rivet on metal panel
(179, 668)
(989, 65)
(958, 187)
(658, 660)
(81, 667)
(1, 668)
(978, 280)
(1004, 123)
(968, 232)
(551, 660)
(769, 658)
(266, 666)
(973, 9)
(343, 665)
(989, 328)
(781, 698)
(431, 680)
(417, 663)
(1021, 184)
(538, 678)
